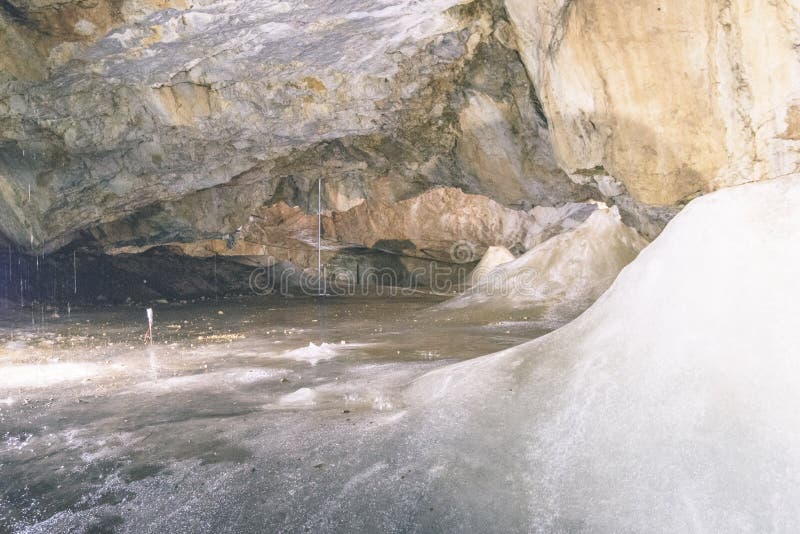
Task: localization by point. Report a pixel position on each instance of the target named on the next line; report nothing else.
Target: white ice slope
(555, 281)
(671, 405)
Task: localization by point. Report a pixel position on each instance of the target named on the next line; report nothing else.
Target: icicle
(74, 274)
(148, 336)
(29, 192)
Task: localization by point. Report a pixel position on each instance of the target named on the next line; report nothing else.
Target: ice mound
(671, 405)
(312, 354)
(492, 258)
(557, 280)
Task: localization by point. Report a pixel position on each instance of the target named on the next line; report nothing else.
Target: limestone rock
(179, 120)
(443, 224)
(673, 99)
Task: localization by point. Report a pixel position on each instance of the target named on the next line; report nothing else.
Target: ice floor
(244, 415)
(670, 405)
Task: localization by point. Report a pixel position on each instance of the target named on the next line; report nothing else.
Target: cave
(399, 266)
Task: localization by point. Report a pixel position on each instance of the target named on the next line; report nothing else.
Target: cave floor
(243, 415)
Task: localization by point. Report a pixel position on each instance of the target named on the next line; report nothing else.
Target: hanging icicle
(319, 236)
(148, 335)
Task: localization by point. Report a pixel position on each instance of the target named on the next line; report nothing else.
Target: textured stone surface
(448, 225)
(183, 120)
(672, 99)
(147, 122)
(443, 224)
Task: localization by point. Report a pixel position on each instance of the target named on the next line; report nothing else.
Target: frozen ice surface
(223, 424)
(555, 281)
(44, 375)
(301, 397)
(670, 405)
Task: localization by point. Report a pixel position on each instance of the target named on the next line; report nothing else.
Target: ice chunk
(313, 353)
(492, 258)
(671, 405)
(556, 280)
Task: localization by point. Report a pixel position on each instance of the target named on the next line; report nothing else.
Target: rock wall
(443, 224)
(183, 120)
(668, 99)
(149, 122)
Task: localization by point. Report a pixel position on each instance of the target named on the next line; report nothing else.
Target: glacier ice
(556, 280)
(493, 257)
(671, 405)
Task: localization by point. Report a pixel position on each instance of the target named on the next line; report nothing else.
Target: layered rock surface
(443, 224)
(666, 99)
(183, 120)
(142, 123)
